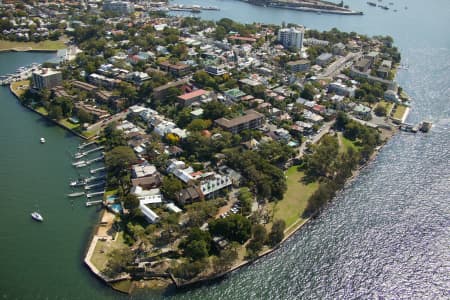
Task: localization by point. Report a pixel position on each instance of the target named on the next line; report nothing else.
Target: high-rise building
(46, 79)
(291, 37)
(119, 7)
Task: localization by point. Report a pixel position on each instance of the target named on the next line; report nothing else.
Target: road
(315, 139)
(97, 127)
(339, 64)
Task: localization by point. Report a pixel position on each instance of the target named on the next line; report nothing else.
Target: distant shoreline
(27, 49)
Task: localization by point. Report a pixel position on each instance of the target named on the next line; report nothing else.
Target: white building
(214, 183)
(291, 37)
(46, 79)
(119, 7)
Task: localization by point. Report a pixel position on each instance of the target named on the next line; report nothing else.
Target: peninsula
(221, 139)
(317, 6)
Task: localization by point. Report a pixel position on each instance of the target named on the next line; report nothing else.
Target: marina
(21, 73)
(84, 145)
(84, 153)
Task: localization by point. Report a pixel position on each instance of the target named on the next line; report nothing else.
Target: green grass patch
(123, 286)
(294, 202)
(387, 105)
(399, 112)
(41, 110)
(88, 134)
(103, 248)
(66, 123)
(20, 87)
(44, 45)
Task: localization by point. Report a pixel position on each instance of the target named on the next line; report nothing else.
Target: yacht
(79, 182)
(42, 140)
(37, 216)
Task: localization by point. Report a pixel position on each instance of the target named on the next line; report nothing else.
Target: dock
(91, 186)
(93, 171)
(90, 203)
(88, 162)
(90, 195)
(82, 154)
(84, 145)
(93, 178)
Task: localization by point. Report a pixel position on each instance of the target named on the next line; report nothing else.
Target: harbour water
(386, 235)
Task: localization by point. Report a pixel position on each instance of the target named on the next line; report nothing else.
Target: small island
(316, 6)
(221, 139)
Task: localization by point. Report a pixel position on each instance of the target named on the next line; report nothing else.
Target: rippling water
(386, 236)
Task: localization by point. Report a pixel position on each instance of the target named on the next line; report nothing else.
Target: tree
(380, 111)
(234, 228)
(119, 158)
(308, 92)
(171, 186)
(276, 235)
(198, 125)
(246, 199)
(131, 202)
(118, 261)
(55, 112)
(225, 259)
(214, 110)
(196, 249)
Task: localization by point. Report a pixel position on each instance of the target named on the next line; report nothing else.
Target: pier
(88, 162)
(93, 178)
(82, 154)
(90, 203)
(90, 195)
(93, 171)
(91, 186)
(84, 145)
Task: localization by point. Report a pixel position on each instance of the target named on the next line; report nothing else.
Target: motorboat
(77, 194)
(37, 216)
(42, 140)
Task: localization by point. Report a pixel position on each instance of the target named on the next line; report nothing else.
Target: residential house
(250, 120)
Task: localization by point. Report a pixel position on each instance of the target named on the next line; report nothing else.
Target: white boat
(37, 216)
(78, 182)
(77, 194)
(80, 162)
(42, 140)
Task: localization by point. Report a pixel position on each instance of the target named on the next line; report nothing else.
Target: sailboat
(37, 216)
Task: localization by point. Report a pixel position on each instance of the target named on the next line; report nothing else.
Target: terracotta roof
(193, 94)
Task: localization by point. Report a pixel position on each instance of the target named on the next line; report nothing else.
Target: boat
(81, 165)
(372, 3)
(383, 7)
(78, 182)
(37, 216)
(425, 126)
(76, 194)
(42, 140)
(80, 162)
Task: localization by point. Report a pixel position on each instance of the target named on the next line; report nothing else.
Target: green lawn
(19, 87)
(88, 134)
(103, 248)
(42, 110)
(44, 45)
(295, 199)
(387, 105)
(399, 112)
(68, 124)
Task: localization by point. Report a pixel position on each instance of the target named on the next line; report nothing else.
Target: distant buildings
(119, 7)
(323, 59)
(251, 120)
(341, 89)
(299, 65)
(46, 79)
(291, 37)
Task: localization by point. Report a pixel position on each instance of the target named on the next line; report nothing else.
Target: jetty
(93, 171)
(82, 154)
(90, 203)
(84, 145)
(88, 162)
(80, 162)
(90, 195)
(93, 178)
(91, 186)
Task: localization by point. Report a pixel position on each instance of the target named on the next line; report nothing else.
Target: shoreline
(27, 49)
(296, 228)
(290, 231)
(46, 117)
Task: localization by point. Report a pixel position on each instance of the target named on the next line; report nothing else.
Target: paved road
(97, 127)
(315, 139)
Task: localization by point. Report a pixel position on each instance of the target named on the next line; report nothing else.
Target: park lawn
(399, 112)
(387, 105)
(88, 134)
(66, 123)
(100, 259)
(42, 110)
(19, 87)
(294, 202)
(44, 45)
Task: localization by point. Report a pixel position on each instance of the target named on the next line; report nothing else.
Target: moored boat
(37, 216)
(76, 194)
(42, 140)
